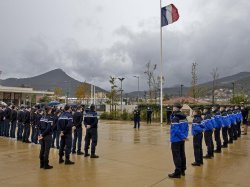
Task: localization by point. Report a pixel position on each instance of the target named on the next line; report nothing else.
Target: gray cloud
(211, 33)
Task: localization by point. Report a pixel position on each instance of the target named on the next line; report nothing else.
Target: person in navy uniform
(7, 118)
(197, 132)
(91, 125)
(33, 125)
(232, 123)
(217, 126)
(149, 115)
(77, 121)
(20, 118)
(26, 123)
(56, 133)
(45, 137)
(137, 118)
(1, 121)
(13, 122)
(245, 112)
(235, 123)
(208, 132)
(225, 125)
(178, 136)
(238, 120)
(65, 124)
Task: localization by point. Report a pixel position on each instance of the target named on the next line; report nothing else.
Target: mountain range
(58, 78)
(49, 81)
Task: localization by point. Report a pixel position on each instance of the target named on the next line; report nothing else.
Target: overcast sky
(93, 39)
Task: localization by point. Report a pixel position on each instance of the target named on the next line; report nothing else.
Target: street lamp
(138, 88)
(181, 90)
(121, 79)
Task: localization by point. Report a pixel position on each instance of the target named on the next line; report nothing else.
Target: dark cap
(177, 105)
(67, 107)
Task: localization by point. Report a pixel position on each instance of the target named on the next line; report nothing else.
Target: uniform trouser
(56, 137)
(149, 119)
(20, 131)
(217, 138)
(230, 133)
(34, 135)
(13, 129)
(54, 134)
(137, 123)
(65, 145)
(238, 129)
(45, 148)
(179, 157)
(7, 127)
(91, 135)
(225, 135)
(235, 132)
(1, 128)
(197, 143)
(26, 132)
(78, 139)
(208, 135)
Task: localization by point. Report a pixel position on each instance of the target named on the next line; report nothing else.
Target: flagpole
(161, 65)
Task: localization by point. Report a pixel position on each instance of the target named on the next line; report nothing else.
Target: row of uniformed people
(228, 118)
(65, 124)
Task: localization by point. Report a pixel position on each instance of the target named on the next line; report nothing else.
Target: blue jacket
(225, 119)
(65, 123)
(179, 127)
(238, 115)
(217, 120)
(208, 122)
(45, 124)
(232, 117)
(197, 125)
(90, 118)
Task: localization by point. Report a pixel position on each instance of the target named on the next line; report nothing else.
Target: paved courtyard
(128, 158)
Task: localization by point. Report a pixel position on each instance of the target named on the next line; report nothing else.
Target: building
(20, 96)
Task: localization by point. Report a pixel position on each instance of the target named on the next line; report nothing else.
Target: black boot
(47, 166)
(217, 151)
(174, 175)
(80, 153)
(73, 152)
(41, 164)
(86, 154)
(183, 173)
(207, 157)
(61, 160)
(68, 162)
(94, 156)
(196, 164)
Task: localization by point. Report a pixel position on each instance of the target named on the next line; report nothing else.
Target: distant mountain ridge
(241, 81)
(48, 81)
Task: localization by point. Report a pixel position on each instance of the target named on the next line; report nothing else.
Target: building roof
(23, 90)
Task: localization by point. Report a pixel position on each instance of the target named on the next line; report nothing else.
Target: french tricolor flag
(169, 14)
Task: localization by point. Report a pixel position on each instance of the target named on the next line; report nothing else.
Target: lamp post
(138, 88)
(233, 83)
(121, 79)
(181, 90)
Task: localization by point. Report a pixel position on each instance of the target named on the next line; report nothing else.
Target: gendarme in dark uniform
(45, 138)
(91, 124)
(65, 124)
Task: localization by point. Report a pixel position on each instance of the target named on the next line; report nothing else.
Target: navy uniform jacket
(179, 127)
(244, 115)
(137, 115)
(54, 127)
(149, 112)
(37, 119)
(7, 113)
(197, 125)
(208, 121)
(1, 115)
(13, 115)
(65, 123)
(20, 116)
(90, 118)
(77, 119)
(33, 119)
(44, 126)
(26, 117)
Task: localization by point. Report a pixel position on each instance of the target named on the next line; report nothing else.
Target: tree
(215, 76)
(150, 76)
(45, 99)
(82, 91)
(113, 93)
(58, 92)
(194, 80)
